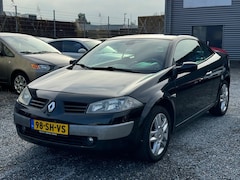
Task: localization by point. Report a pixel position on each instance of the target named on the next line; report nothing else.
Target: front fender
(158, 99)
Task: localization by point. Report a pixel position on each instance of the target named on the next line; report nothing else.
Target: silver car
(24, 58)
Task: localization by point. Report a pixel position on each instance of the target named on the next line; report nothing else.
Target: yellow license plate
(49, 127)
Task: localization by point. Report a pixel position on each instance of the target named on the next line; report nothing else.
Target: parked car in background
(219, 50)
(131, 91)
(74, 47)
(24, 58)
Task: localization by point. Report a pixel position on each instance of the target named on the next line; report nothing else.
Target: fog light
(90, 140)
(23, 129)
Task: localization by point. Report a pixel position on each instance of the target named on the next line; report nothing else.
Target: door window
(57, 45)
(71, 46)
(191, 50)
(7, 52)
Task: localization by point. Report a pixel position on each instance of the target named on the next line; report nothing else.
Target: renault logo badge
(51, 106)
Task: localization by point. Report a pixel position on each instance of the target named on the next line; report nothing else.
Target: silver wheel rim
(158, 136)
(224, 98)
(19, 83)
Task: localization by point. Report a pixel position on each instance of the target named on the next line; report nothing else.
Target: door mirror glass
(82, 51)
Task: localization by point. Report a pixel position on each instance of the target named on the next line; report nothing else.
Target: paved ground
(208, 148)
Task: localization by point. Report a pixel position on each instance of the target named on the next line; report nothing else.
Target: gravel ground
(207, 148)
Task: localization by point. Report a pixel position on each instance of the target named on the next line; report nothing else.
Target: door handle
(208, 73)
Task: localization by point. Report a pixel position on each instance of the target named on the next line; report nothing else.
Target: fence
(58, 29)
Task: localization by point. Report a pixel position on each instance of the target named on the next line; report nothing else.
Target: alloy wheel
(224, 97)
(20, 83)
(158, 136)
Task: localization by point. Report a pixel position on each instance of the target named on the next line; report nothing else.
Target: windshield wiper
(39, 52)
(83, 66)
(110, 68)
(26, 52)
(42, 52)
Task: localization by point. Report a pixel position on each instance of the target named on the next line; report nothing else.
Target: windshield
(135, 55)
(28, 44)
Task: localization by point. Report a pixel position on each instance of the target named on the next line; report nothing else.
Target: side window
(7, 52)
(188, 50)
(207, 51)
(71, 46)
(57, 45)
(4, 51)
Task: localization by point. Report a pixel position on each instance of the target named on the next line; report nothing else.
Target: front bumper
(100, 132)
(84, 130)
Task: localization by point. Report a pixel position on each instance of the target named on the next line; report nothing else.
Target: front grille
(38, 102)
(75, 107)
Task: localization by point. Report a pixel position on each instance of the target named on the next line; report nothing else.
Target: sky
(96, 11)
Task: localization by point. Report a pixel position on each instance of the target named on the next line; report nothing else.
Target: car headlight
(41, 66)
(25, 97)
(114, 105)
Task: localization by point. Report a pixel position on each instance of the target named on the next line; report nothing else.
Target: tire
(156, 135)
(223, 100)
(19, 82)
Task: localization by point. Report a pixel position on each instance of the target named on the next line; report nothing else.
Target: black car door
(195, 91)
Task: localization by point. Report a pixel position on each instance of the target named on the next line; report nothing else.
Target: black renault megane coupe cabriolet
(129, 91)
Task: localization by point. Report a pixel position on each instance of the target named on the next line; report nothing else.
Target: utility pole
(16, 18)
(54, 24)
(108, 27)
(128, 26)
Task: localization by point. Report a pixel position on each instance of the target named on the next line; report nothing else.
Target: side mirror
(82, 51)
(186, 67)
(72, 61)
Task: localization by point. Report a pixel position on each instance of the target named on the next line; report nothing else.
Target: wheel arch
(151, 137)
(227, 79)
(167, 104)
(15, 72)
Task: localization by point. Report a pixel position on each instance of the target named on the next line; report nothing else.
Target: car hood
(91, 82)
(50, 58)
